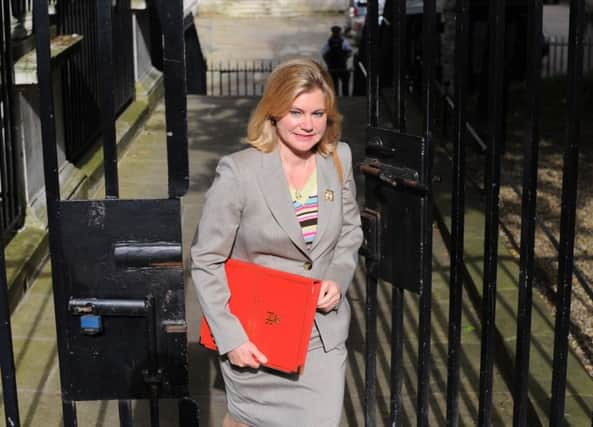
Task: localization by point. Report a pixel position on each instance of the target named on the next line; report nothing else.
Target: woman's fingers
(259, 356)
(329, 296)
(247, 355)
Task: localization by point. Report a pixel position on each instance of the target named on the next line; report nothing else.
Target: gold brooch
(328, 195)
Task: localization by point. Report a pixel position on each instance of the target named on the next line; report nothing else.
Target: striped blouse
(306, 207)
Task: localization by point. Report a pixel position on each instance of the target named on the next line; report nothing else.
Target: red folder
(276, 310)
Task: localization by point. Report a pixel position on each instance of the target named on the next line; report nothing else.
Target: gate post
(9, 392)
(568, 214)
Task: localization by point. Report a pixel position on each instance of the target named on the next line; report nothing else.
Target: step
(279, 8)
(61, 46)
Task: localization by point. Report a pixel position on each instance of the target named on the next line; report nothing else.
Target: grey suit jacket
(248, 215)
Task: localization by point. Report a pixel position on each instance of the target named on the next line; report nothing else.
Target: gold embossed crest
(272, 318)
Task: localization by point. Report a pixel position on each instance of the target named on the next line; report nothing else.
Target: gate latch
(393, 176)
(92, 310)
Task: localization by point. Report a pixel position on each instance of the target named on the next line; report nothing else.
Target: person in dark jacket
(335, 53)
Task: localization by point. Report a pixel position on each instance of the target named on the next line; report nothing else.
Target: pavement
(216, 125)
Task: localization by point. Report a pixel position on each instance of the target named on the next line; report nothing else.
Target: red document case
(276, 309)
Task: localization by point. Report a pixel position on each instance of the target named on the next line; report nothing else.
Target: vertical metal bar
(590, 56)
(175, 96)
(549, 59)
(424, 327)
(400, 50)
(371, 351)
(12, 207)
(560, 65)
(48, 132)
(107, 96)
(69, 412)
(424, 351)
(428, 60)
(555, 59)
(228, 77)
(496, 30)
(5, 63)
(153, 363)
(397, 346)
(253, 76)
(568, 215)
(245, 84)
(189, 415)
(372, 259)
(52, 188)
(125, 413)
(558, 48)
(219, 79)
(528, 212)
(372, 33)
(443, 94)
(457, 211)
(237, 78)
(9, 390)
(563, 57)
(208, 79)
(588, 53)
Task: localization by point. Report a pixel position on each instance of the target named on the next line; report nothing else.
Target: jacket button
(307, 265)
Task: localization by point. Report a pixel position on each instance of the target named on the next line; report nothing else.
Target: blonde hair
(289, 80)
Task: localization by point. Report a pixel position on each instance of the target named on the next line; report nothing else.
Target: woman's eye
(319, 114)
(295, 113)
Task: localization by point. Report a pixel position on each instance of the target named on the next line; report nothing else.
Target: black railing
(238, 78)
(80, 80)
(22, 6)
(446, 113)
(19, 7)
(565, 59)
(555, 62)
(12, 215)
(247, 77)
(570, 60)
(11, 203)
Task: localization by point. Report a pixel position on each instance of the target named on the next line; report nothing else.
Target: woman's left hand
(329, 296)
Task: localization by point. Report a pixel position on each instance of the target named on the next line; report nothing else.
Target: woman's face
(304, 125)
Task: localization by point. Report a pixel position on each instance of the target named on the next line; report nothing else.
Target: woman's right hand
(247, 355)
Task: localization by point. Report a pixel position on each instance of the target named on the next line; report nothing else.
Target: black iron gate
(398, 208)
(11, 200)
(80, 82)
(119, 292)
(398, 203)
(11, 213)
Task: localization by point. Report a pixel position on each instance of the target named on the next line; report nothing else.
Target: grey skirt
(268, 398)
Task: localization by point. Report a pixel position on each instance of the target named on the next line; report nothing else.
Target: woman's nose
(307, 123)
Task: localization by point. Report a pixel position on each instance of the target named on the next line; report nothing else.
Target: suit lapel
(328, 196)
(274, 187)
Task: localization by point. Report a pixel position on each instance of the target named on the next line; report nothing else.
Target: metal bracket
(107, 307)
(371, 248)
(393, 175)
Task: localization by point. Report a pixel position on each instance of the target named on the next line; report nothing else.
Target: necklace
(298, 194)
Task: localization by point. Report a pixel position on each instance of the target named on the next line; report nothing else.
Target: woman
(288, 203)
